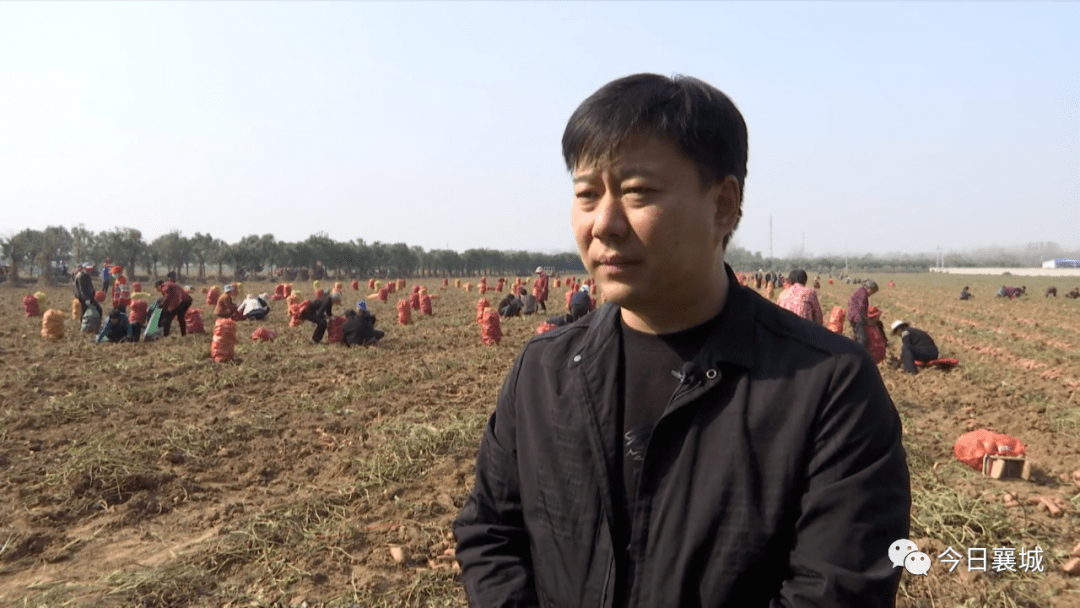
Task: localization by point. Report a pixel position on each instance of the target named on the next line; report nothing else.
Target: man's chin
(616, 293)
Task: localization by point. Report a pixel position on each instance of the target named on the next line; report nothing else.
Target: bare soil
(149, 475)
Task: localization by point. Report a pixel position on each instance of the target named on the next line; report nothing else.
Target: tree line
(318, 256)
(50, 250)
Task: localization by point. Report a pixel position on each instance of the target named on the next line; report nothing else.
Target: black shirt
(917, 338)
(652, 365)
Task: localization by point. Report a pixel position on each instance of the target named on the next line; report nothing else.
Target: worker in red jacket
(540, 288)
(174, 305)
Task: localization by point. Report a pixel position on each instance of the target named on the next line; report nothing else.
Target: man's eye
(586, 194)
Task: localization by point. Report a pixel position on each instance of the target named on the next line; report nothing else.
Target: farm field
(149, 475)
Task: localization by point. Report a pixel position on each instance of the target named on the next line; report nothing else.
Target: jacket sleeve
(492, 542)
(857, 497)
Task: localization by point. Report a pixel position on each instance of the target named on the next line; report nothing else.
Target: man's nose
(610, 222)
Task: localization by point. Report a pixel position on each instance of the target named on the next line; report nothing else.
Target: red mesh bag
(355, 285)
(480, 306)
(288, 289)
(263, 335)
(99, 296)
(569, 295)
(425, 304)
(224, 341)
(836, 319)
(136, 286)
(414, 300)
(592, 288)
(457, 283)
(319, 293)
(490, 331)
(401, 283)
(296, 312)
(384, 292)
(371, 283)
(194, 322)
(121, 296)
(404, 313)
(212, 296)
(558, 282)
(138, 311)
(877, 348)
(446, 282)
(391, 287)
(971, 447)
(30, 306)
(415, 289)
(336, 329)
(545, 327)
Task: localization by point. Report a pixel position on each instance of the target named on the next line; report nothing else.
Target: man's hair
(158, 283)
(797, 276)
(697, 117)
(114, 315)
(871, 285)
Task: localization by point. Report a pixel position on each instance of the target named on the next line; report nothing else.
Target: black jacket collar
(731, 340)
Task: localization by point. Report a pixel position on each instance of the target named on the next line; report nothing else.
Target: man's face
(646, 228)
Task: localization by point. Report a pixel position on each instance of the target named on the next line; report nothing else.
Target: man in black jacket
(320, 312)
(510, 306)
(359, 327)
(84, 289)
(916, 345)
(689, 443)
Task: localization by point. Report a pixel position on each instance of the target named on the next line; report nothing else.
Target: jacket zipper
(634, 527)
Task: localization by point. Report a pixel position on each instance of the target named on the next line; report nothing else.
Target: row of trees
(46, 251)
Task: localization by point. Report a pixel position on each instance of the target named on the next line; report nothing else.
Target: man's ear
(728, 206)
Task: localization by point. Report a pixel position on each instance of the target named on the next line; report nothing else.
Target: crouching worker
(117, 329)
(580, 305)
(510, 306)
(528, 303)
(254, 308)
(225, 307)
(137, 318)
(917, 346)
(359, 327)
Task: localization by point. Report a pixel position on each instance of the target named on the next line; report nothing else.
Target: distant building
(1061, 263)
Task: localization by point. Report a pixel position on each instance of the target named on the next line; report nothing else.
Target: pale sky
(874, 127)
